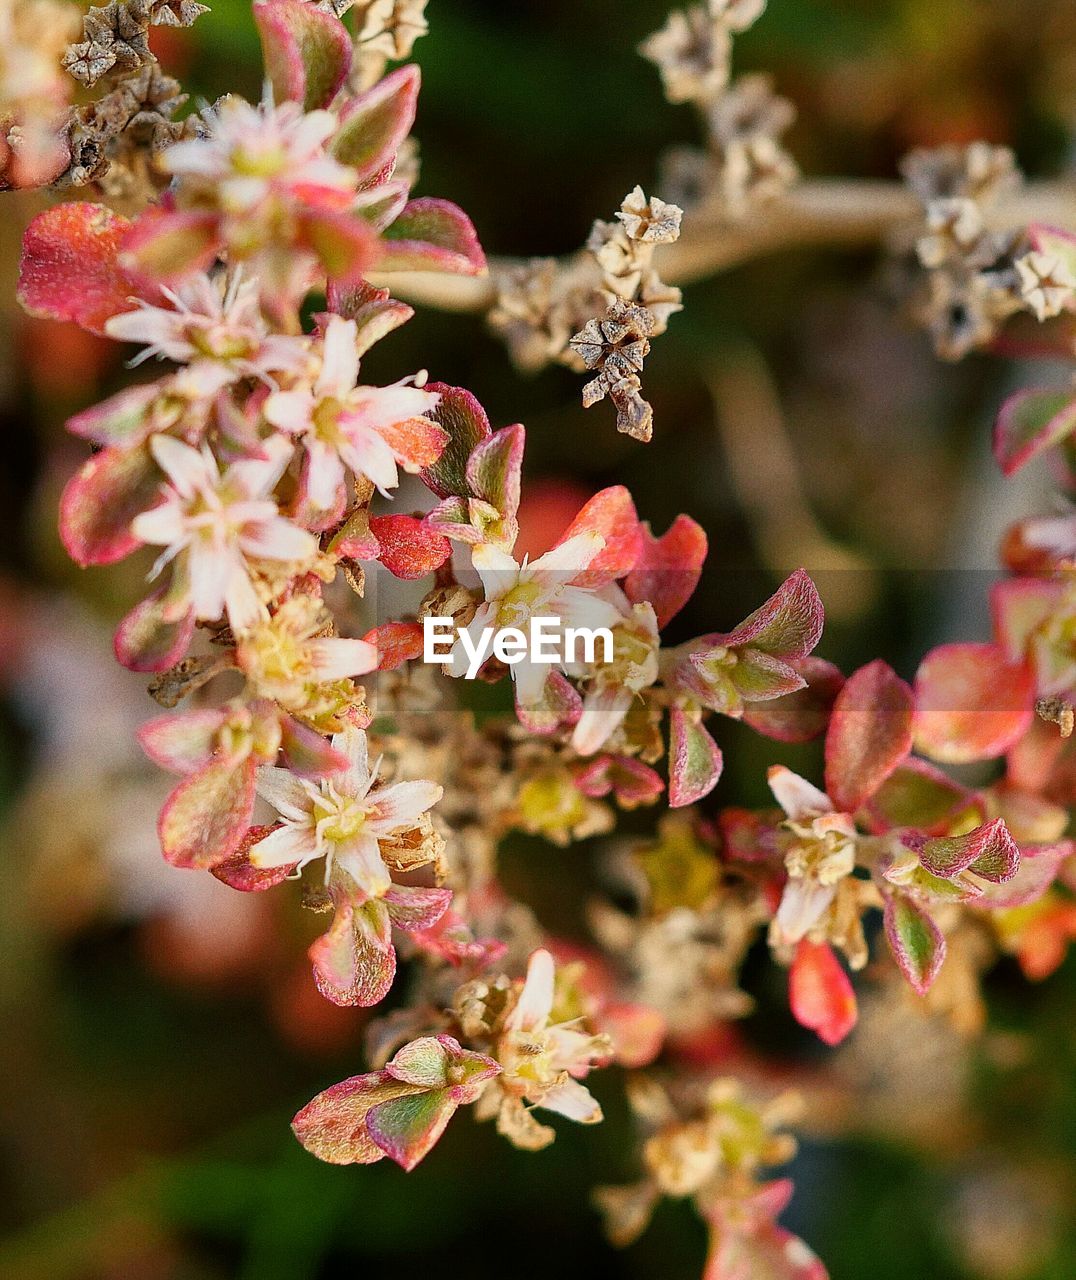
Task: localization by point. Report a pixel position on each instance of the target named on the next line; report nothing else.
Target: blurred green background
(156, 1044)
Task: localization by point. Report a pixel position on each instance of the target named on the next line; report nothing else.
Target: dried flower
(650, 221)
(692, 54)
(616, 347)
(1046, 284)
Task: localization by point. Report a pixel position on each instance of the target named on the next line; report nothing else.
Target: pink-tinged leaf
(150, 637)
(870, 733)
(971, 703)
(803, 715)
(464, 420)
(344, 244)
(668, 568)
(423, 1062)
(375, 313)
(102, 499)
(917, 794)
(307, 51)
(417, 442)
(1039, 867)
(494, 467)
(612, 514)
(69, 268)
(206, 817)
(989, 851)
(763, 1251)
(1030, 422)
(373, 125)
(166, 244)
(917, 944)
(379, 206)
(632, 782)
(306, 752)
(440, 1062)
(432, 235)
(749, 836)
(414, 907)
(1019, 606)
(409, 549)
(238, 872)
(406, 1129)
(355, 961)
(354, 541)
(453, 941)
(452, 519)
(122, 419)
(760, 677)
(332, 1126)
(559, 705)
(820, 992)
(182, 741)
(788, 625)
(396, 643)
(695, 760)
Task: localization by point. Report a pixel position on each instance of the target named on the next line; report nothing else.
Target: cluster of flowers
(965, 276)
(743, 164)
(254, 466)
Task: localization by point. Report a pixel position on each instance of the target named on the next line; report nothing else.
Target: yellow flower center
(517, 605)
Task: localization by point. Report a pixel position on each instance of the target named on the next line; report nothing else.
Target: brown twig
(837, 212)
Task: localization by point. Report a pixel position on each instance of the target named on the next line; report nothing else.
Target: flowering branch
(256, 466)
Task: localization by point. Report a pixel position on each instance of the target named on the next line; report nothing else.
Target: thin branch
(824, 211)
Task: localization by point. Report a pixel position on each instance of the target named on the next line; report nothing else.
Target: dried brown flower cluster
(599, 311)
(113, 140)
(968, 278)
(743, 163)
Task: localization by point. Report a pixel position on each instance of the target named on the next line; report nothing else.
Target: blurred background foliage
(158, 1040)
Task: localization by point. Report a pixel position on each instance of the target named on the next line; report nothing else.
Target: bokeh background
(158, 1031)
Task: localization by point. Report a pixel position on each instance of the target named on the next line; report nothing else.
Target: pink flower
(368, 430)
(341, 819)
(215, 326)
(219, 523)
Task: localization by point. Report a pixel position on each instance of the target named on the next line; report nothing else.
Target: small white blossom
(215, 524)
(342, 819)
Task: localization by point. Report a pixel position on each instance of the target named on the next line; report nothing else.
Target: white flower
(517, 592)
(615, 685)
(215, 326)
(539, 1059)
(819, 856)
(1046, 283)
(366, 429)
(253, 152)
(341, 819)
(219, 523)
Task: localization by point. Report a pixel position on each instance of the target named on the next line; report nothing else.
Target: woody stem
(840, 212)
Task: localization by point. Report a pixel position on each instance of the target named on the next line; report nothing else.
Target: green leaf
(917, 943)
